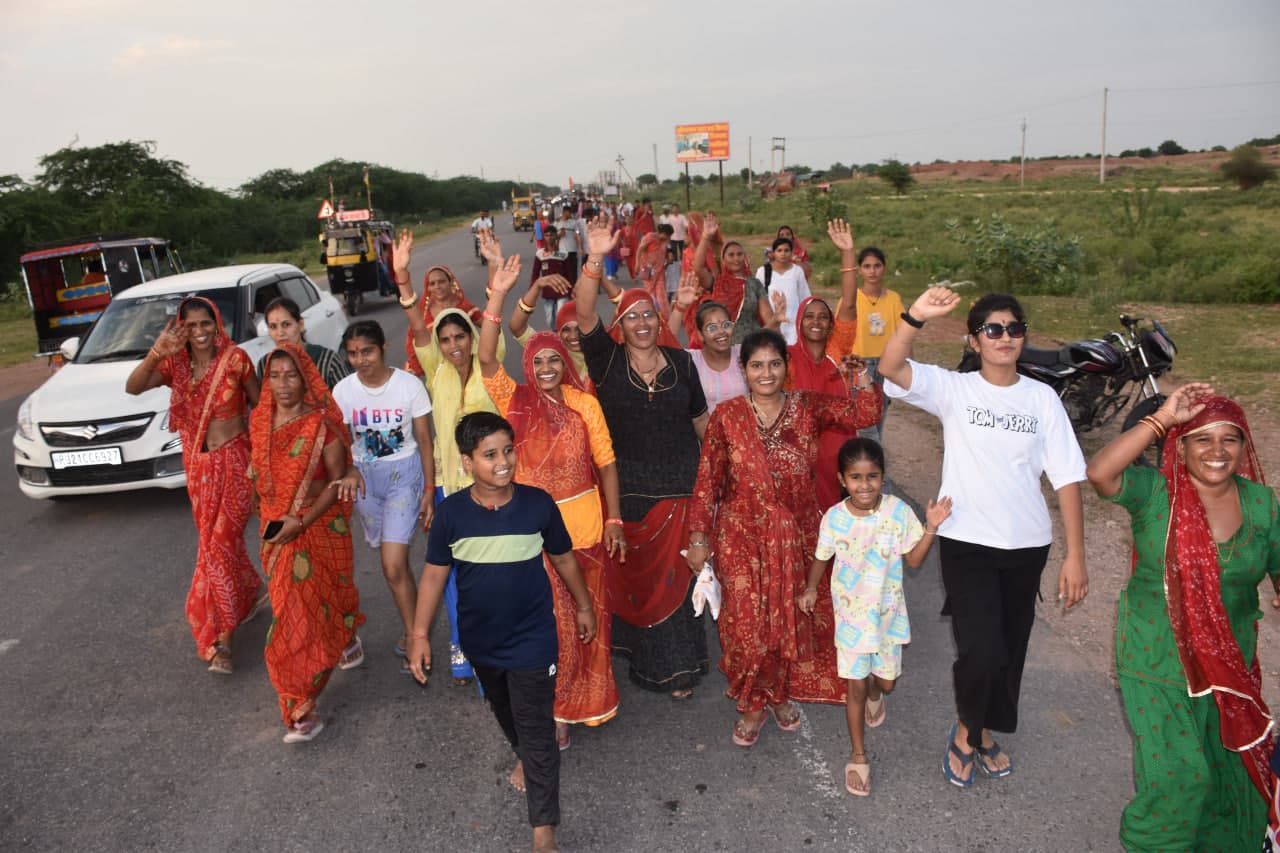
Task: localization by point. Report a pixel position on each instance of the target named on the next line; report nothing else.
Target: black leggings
(523, 700)
(991, 599)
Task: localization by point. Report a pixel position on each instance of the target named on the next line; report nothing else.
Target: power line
(1206, 86)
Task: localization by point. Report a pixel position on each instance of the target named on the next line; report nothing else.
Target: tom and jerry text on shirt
(984, 417)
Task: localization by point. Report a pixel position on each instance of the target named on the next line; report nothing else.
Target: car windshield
(128, 327)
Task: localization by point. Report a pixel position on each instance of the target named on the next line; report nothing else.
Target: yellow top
(877, 319)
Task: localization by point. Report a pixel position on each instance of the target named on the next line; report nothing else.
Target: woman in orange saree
(440, 291)
(300, 447)
(213, 382)
(563, 447)
(754, 508)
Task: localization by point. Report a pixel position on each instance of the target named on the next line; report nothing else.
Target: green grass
(18, 334)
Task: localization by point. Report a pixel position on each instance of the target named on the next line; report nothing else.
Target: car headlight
(26, 423)
(164, 422)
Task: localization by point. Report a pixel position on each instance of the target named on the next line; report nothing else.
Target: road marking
(810, 757)
(6, 645)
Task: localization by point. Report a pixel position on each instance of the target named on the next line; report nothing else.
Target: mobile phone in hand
(273, 527)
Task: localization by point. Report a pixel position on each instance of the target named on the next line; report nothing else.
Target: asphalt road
(113, 736)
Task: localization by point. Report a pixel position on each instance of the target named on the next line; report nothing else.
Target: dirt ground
(913, 441)
(986, 170)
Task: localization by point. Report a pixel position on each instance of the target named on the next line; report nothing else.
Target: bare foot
(517, 777)
(544, 840)
(562, 735)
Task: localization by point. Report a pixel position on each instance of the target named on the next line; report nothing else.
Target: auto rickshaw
(357, 256)
(522, 212)
(69, 283)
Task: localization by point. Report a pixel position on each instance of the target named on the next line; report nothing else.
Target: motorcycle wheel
(1150, 457)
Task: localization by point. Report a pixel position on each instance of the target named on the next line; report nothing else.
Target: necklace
(648, 378)
(874, 300)
(764, 427)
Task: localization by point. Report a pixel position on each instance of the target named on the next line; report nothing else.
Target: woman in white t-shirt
(1000, 432)
(787, 279)
(387, 411)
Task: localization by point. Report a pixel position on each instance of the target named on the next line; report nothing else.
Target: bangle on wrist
(417, 636)
(912, 321)
(847, 269)
(493, 318)
(586, 609)
(616, 521)
(409, 303)
(525, 308)
(933, 532)
(403, 282)
(693, 544)
(616, 299)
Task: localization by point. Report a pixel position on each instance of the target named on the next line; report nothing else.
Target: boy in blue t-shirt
(496, 532)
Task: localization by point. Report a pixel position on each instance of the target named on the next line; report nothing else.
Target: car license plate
(80, 458)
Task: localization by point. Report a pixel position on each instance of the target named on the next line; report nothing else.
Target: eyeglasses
(712, 328)
(995, 331)
(632, 316)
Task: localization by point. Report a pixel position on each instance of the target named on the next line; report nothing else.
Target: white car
(80, 433)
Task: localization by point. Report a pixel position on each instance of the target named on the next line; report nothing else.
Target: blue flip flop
(990, 753)
(965, 761)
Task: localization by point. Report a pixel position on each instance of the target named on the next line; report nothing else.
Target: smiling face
(283, 328)
(1002, 352)
(439, 286)
(455, 343)
(815, 322)
(862, 480)
(765, 370)
(493, 462)
(548, 369)
(717, 331)
(201, 329)
(735, 258)
(366, 358)
(571, 335)
(1212, 455)
(640, 325)
(285, 381)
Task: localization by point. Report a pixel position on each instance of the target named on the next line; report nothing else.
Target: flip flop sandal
(863, 772)
(304, 730)
(744, 738)
(965, 761)
(220, 663)
(352, 655)
(875, 712)
(793, 723)
(990, 753)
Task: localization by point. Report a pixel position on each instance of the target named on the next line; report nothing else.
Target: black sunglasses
(995, 331)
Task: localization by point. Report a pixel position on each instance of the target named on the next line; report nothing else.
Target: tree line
(124, 188)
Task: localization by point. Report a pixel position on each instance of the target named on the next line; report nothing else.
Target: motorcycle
(1098, 378)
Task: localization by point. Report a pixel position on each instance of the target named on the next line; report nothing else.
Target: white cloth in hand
(706, 592)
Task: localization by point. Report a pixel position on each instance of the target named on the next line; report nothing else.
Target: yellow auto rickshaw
(357, 247)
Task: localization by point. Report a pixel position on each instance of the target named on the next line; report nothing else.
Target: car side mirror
(69, 348)
(260, 325)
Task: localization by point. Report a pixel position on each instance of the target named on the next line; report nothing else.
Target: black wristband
(912, 321)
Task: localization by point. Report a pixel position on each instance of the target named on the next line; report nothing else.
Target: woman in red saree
(563, 447)
(754, 508)
(213, 383)
(723, 277)
(440, 292)
(300, 446)
(820, 360)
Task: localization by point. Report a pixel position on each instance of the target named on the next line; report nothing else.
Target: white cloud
(171, 49)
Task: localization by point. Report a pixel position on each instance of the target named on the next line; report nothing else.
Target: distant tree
(1128, 152)
(1246, 168)
(1218, 148)
(280, 184)
(838, 171)
(1264, 141)
(699, 180)
(648, 179)
(95, 173)
(798, 169)
(1171, 147)
(896, 174)
(745, 174)
(682, 179)
(1146, 153)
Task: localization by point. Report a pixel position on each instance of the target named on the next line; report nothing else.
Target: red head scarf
(186, 399)
(567, 314)
(315, 394)
(551, 437)
(805, 374)
(630, 298)
(797, 251)
(1210, 655)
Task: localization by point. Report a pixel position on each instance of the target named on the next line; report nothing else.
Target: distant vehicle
(80, 433)
(522, 212)
(69, 283)
(357, 256)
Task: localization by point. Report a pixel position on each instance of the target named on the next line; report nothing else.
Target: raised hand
(558, 283)
(506, 276)
(936, 513)
(172, 338)
(601, 239)
(1183, 404)
(936, 301)
(401, 254)
(778, 301)
(839, 232)
(490, 246)
(688, 292)
(710, 225)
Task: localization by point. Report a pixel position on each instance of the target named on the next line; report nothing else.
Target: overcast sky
(547, 91)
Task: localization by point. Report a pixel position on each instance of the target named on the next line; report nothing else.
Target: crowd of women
(753, 450)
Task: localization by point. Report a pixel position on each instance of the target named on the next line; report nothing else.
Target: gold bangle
(616, 299)
(406, 304)
(847, 269)
(525, 308)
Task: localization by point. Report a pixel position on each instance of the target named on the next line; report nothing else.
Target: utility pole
(779, 143)
(750, 168)
(1102, 158)
(655, 160)
(1022, 167)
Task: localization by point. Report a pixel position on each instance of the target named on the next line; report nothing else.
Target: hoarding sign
(698, 143)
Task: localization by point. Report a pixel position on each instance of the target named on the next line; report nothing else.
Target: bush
(824, 207)
(1171, 147)
(896, 174)
(1246, 168)
(1037, 259)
